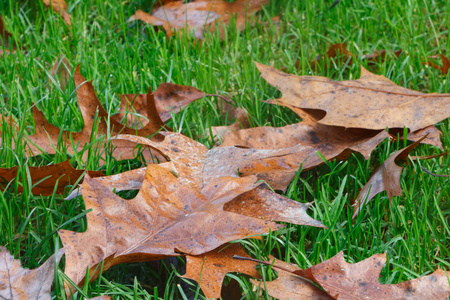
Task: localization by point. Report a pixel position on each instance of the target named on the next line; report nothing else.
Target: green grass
(122, 57)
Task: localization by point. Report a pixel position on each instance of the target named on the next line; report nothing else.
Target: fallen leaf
(61, 69)
(5, 37)
(46, 136)
(336, 51)
(241, 117)
(310, 137)
(200, 15)
(380, 56)
(288, 286)
(198, 167)
(385, 178)
(167, 218)
(371, 102)
(445, 64)
(168, 97)
(342, 280)
(60, 7)
(47, 179)
(209, 269)
(19, 283)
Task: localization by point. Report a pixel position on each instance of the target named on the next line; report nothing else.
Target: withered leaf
(371, 102)
(342, 280)
(168, 97)
(200, 15)
(60, 7)
(5, 36)
(19, 283)
(338, 50)
(167, 217)
(209, 269)
(445, 64)
(47, 179)
(310, 137)
(45, 138)
(289, 286)
(198, 166)
(385, 178)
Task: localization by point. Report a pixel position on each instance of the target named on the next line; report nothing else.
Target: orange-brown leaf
(199, 15)
(47, 179)
(371, 102)
(445, 64)
(385, 178)
(209, 269)
(342, 280)
(166, 218)
(60, 7)
(288, 286)
(310, 137)
(19, 283)
(5, 36)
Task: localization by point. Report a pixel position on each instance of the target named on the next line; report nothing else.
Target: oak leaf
(288, 286)
(209, 269)
(200, 15)
(198, 166)
(45, 138)
(310, 137)
(371, 102)
(385, 178)
(19, 283)
(167, 218)
(46, 180)
(445, 64)
(60, 7)
(5, 37)
(342, 280)
(168, 97)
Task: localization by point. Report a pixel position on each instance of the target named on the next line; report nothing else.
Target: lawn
(129, 57)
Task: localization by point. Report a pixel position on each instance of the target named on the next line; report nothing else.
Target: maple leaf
(60, 7)
(46, 180)
(371, 102)
(19, 283)
(342, 280)
(167, 217)
(385, 178)
(209, 269)
(199, 15)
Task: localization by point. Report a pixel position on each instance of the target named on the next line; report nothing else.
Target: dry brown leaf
(60, 7)
(209, 269)
(371, 102)
(342, 280)
(288, 286)
(167, 217)
(445, 64)
(46, 135)
(310, 137)
(168, 97)
(335, 51)
(61, 69)
(385, 178)
(241, 117)
(5, 36)
(19, 283)
(380, 56)
(47, 179)
(200, 15)
(198, 166)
